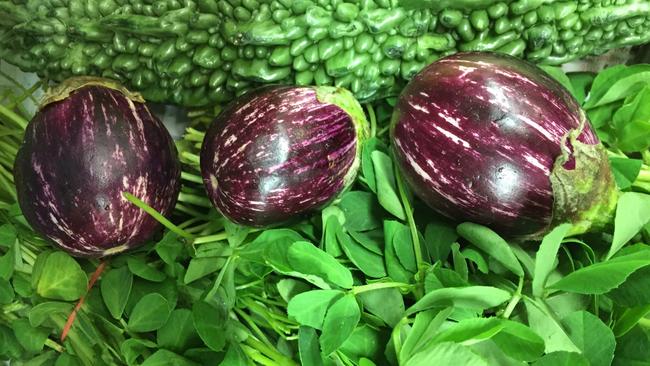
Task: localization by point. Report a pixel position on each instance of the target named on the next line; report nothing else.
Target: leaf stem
(194, 200)
(356, 290)
(13, 117)
(415, 238)
(156, 215)
(211, 238)
(191, 177)
(271, 352)
(516, 297)
(55, 346)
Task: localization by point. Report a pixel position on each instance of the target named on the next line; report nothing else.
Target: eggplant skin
(279, 152)
(79, 155)
(477, 136)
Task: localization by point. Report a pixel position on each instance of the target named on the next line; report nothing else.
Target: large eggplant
(281, 151)
(91, 141)
(493, 139)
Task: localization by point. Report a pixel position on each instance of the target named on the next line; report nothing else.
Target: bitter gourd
(197, 52)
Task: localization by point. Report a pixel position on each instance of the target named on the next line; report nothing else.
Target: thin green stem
(257, 356)
(270, 351)
(194, 200)
(13, 117)
(516, 297)
(409, 218)
(191, 177)
(156, 215)
(645, 154)
(211, 238)
(258, 332)
(55, 346)
(378, 286)
(188, 210)
(383, 130)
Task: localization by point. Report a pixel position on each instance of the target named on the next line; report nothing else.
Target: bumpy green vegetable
(197, 52)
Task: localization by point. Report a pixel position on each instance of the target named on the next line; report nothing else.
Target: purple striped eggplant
(492, 139)
(90, 142)
(281, 151)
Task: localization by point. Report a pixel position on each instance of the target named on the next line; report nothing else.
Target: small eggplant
(492, 139)
(91, 141)
(279, 152)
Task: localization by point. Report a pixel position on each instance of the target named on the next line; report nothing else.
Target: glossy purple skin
(476, 136)
(79, 155)
(276, 153)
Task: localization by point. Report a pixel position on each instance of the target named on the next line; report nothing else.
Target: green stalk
(373, 119)
(516, 297)
(191, 178)
(156, 215)
(409, 218)
(211, 238)
(13, 117)
(271, 352)
(356, 290)
(194, 200)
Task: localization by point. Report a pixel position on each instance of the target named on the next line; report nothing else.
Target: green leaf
(150, 313)
(491, 243)
(560, 77)
(439, 235)
(386, 185)
(6, 292)
(288, 288)
(394, 267)
(62, 278)
(424, 327)
(470, 331)
(617, 83)
(163, 357)
(133, 348)
(7, 235)
(333, 219)
(562, 358)
(403, 245)
(371, 264)
(201, 267)
(169, 247)
(67, 360)
(236, 233)
(519, 341)
(371, 240)
(632, 123)
(7, 264)
(276, 256)
(32, 339)
(387, 304)
(365, 341)
(460, 264)
(629, 319)
(633, 349)
(305, 258)
(309, 308)
(115, 287)
(542, 322)
(178, 332)
(592, 336)
(367, 166)
(632, 214)
(581, 82)
(235, 357)
(635, 291)
(308, 347)
(362, 211)
(545, 260)
(601, 277)
(625, 170)
(446, 354)
(140, 268)
(477, 258)
(210, 324)
(339, 323)
(43, 311)
(474, 297)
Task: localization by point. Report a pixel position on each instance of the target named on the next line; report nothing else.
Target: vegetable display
(279, 152)
(375, 277)
(489, 138)
(90, 142)
(196, 53)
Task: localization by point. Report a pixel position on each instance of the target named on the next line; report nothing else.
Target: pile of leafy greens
(376, 278)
